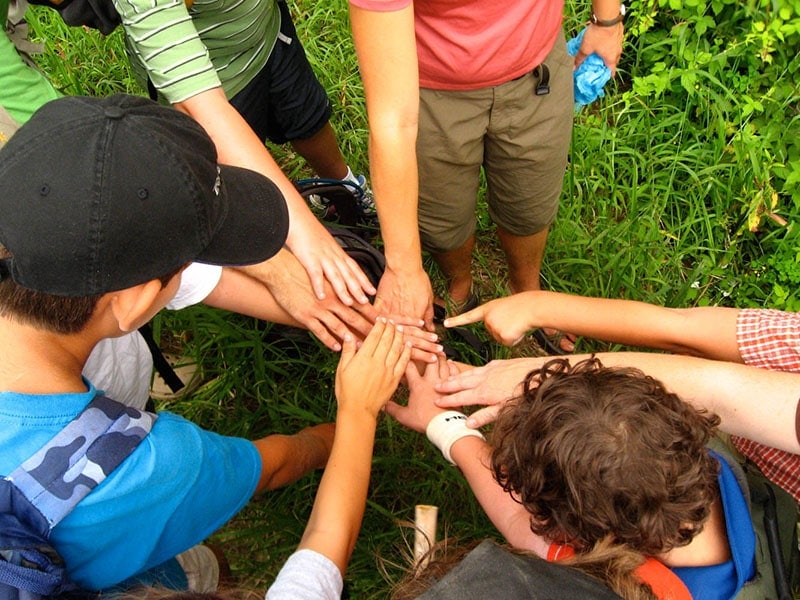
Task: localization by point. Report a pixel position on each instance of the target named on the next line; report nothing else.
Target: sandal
(551, 343)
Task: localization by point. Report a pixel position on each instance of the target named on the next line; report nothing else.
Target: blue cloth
(179, 486)
(590, 77)
(723, 581)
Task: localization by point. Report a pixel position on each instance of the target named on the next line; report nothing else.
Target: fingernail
(472, 423)
(400, 328)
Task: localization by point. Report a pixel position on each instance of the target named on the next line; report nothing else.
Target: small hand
(502, 317)
(420, 408)
(492, 384)
(366, 378)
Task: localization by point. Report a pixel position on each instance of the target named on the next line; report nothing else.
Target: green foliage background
(682, 190)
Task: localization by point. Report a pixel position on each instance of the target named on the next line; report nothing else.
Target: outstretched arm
(365, 381)
(754, 403)
(709, 332)
(387, 56)
(287, 458)
(469, 452)
(314, 247)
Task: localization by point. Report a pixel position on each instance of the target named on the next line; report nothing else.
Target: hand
(323, 259)
(420, 408)
(492, 384)
(329, 319)
(367, 378)
(503, 318)
(406, 294)
(606, 42)
(425, 344)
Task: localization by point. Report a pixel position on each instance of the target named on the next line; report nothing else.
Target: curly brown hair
(603, 456)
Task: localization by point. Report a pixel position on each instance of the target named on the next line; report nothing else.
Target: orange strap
(664, 583)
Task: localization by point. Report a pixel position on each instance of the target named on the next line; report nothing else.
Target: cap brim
(256, 222)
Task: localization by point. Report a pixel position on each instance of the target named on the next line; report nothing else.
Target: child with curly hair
(605, 470)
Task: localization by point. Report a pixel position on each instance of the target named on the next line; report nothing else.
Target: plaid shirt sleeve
(770, 339)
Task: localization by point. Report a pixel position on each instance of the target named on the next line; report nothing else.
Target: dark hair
(606, 460)
(51, 312)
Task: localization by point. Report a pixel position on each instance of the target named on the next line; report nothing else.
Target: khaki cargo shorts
(521, 140)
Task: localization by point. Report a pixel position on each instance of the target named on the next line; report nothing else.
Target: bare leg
(455, 265)
(322, 153)
(524, 255)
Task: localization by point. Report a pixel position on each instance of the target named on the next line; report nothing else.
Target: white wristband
(446, 428)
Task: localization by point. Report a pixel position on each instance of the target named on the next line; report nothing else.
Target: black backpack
(334, 202)
(97, 14)
(47, 486)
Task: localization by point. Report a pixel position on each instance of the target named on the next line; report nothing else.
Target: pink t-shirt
(472, 44)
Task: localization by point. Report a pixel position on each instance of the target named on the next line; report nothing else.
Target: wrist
(605, 17)
(406, 264)
(446, 428)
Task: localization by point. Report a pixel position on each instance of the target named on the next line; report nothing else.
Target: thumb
(392, 409)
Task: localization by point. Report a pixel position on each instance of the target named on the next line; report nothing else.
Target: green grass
(657, 202)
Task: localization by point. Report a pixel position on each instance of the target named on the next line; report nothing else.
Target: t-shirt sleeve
(769, 339)
(24, 88)
(197, 282)
(307, 575)
(163, 39)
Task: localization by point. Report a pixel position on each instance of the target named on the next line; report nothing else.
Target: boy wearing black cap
(92, 247)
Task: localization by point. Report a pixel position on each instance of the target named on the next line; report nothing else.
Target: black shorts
(285, 101)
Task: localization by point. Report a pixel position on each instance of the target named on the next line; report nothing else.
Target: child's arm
(754, 403)
(314, 247)
(289, 299)
(287, 458)
(285, 296)
(365, 381)
(708, 331)
(469, 452)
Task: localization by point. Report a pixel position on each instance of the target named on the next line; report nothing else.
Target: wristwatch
(610, 22)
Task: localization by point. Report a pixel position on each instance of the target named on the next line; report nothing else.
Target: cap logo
(217, 183)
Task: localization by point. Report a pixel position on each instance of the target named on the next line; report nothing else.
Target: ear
(133, 307)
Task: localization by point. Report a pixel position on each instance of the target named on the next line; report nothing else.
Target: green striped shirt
(186, 52)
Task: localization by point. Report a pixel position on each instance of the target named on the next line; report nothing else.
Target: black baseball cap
(101, 194)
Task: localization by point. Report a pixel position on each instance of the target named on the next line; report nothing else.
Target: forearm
(240, 293)
(472, 455)
(708, 331)
(287, 458)
(238, 145)
(338, 510)
(386, 48)
(758, 404)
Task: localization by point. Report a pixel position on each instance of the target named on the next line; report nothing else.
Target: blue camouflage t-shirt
(180, 485)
